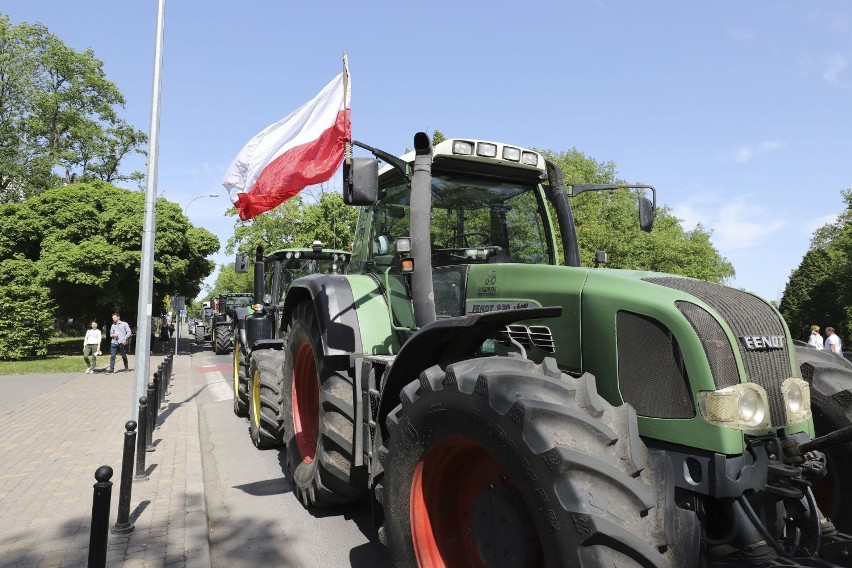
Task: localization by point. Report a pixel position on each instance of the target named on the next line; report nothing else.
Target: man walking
(119, 334)
(832, 342)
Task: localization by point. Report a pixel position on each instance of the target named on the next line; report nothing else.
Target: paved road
(254, 517)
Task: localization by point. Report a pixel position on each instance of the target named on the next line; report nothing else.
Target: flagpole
(149, 229)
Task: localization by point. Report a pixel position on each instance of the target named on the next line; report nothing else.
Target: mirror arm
(579, 188)
(389, 159)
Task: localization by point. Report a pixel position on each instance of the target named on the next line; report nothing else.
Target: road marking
(219, 386)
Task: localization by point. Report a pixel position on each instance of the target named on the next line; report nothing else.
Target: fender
(447, 340)
(826, 372)
(334, 305)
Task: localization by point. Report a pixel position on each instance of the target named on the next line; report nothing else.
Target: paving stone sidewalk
(49, 450)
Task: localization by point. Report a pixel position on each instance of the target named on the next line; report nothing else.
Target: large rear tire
(240, 380)
(265, 384)
(500, 461)
(318, 417)
(222, 342)
(199, 334)
(831, 404)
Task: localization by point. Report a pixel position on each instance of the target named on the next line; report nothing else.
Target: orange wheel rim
(306, 402)
(452, 476)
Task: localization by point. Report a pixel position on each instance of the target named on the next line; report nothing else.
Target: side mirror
(646, 214)
(361, 181)
(241, 264)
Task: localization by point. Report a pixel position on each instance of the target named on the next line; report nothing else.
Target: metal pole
(149, 229)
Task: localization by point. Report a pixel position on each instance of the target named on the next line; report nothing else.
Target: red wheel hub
(306, 402)
(464, 509)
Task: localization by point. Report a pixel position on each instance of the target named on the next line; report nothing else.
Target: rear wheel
(199, 334)
(222, 338)
(264, 384)
(499, 461)
(318, 416)
(240, 381)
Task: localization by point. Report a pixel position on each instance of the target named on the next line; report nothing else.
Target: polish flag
(304, 148)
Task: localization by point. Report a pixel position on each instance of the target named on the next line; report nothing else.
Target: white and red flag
(304, 148)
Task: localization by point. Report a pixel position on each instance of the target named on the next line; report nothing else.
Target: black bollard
(158, 388)
(152, 418)
(100, 517)
(169, 362)
(142, 440)
(122, 522)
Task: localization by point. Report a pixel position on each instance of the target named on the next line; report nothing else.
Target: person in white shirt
(815, 340)
(92, 347)
(832, 342)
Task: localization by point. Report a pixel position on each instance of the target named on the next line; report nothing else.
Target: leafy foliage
(26, 311)
(609, 221)
(819, 291)
(58, 120)
(84, 241)
(296, 223)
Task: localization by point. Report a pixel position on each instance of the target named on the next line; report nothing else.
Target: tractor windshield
(474, 220)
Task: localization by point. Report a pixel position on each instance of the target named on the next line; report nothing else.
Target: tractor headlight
(797, 399)
(744, 406)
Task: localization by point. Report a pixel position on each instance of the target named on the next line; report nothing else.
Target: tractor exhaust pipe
(422, 292)
(258, 275)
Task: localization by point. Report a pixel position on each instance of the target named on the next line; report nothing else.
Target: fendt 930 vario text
(500, 405)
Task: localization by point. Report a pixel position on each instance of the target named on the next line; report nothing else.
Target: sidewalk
(49, 451)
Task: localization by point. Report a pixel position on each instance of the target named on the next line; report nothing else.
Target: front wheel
(502, 462)
(240, 380)
(265, 379)
(318, 414)
(830, 378)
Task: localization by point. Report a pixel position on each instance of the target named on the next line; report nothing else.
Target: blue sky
(738, 112)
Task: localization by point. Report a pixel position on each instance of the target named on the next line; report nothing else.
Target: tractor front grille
(748, 316)
(651, 373)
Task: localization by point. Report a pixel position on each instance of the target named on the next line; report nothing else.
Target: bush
(26, 317)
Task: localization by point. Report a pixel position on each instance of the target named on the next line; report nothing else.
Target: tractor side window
(525, 235)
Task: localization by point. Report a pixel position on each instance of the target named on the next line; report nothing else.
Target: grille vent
(748, 316)
(529, 336)
(715, 342)
(651, 373)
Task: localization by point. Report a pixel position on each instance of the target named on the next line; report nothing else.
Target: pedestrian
(92, 347)
(832, 342)
(164, 334)
(119, 333)
(815, 340)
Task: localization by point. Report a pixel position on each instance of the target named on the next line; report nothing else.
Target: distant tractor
(257, 342)
(204, 327)
(501, 405)
(218, 323)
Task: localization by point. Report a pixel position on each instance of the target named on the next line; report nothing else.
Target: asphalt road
(255, 518)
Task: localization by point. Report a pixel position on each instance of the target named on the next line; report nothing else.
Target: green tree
(84, 241)
(819, 290)
(26, 311)
(609, 221)
(58, 115)
(296, 223)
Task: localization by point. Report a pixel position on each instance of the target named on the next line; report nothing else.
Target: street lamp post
(198, 197)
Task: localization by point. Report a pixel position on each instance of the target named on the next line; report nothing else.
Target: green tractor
(257, 343)
(499, 404)
(219, 327)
